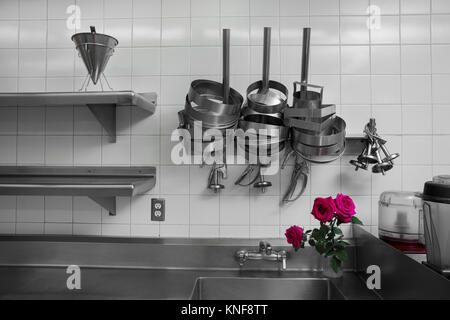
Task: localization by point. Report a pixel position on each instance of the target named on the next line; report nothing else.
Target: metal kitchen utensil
(267, 96)
(375, 152)
(216, 106)
(95, 49)
(262, 121)
(299, 173)
(317, 135)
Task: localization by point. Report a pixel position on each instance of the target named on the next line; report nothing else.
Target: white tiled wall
(399, 73)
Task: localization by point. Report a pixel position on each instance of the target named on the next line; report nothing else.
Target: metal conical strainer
(95, 49)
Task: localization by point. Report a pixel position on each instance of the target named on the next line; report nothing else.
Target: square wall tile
(87, 150)
(355, 117)
(58, 35)
(264, 210)
(441, 94)
(415, 6)
(440, 6)
(417, 150)
(8, 145)
(176, 32)
(146, 32)
(9, 9)
(205, 31)
(143, 123)
(388, 33)
(389, 118)
(116, 153)
(205, 8)
(386, 89)
(118, 9)
(9, 34)
(31, 120)
(441, 154)
(59, 120)
(33, 9)
(385, 59)
(324, 7)
(56, 9)
(387, 6)
(7, 228)
(325, 30)
(33, 34)
(417, 120)
(355, 89)
(440, 54)
(174, 231)
(355, 59)
(416, 89)
(235, 8)
(440, 25)
(242, 232)
(145, 150)
(257, 25)
(441, 114)
(9, 62)
(59, 150)
(146, 8)
(415, 29)
(8, 120)
(294, 8)
(324, 60)
(32, 62)
(325, 179)
(350, 7)
(234, 210)
(204, 209)
(7, 209)
(354, 30)
(174, 179)
(58, 209)
(176, 8)
(264, 8)
(410, 57)
(205, 60)
(30, 209)
(30, 150)
(355, 183)
(175, 60)
(116, 230)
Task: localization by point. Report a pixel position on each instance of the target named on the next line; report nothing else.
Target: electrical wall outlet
(158, 209)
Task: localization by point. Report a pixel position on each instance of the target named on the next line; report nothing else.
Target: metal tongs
(258, 180)
(300, 173)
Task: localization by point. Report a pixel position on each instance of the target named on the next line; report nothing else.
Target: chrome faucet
(265, 252)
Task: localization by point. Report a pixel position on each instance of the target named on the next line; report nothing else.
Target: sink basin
(265, 289)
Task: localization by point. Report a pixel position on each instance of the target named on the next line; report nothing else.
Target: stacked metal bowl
(318, 135)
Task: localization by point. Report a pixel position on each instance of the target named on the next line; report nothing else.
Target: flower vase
(328, 271)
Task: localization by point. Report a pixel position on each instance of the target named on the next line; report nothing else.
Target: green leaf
(311, 242)
(355, 220)
(343, 243)
(337, 230)
(335, 264)
(320, 248)
(341, 255)
(308, 232)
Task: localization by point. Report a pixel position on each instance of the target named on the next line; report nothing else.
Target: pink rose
(294, 236)
(323, 209)
(345, 208)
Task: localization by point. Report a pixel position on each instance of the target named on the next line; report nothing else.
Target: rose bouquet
(328, 239)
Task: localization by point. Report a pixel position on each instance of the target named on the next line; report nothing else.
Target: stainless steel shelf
(101, 184)
(101, 103)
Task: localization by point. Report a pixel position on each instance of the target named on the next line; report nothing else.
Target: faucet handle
(263, 245)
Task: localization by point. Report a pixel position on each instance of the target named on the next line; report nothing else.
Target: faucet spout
(265, 252)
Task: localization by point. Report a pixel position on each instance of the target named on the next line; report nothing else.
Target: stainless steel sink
(265, 289)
